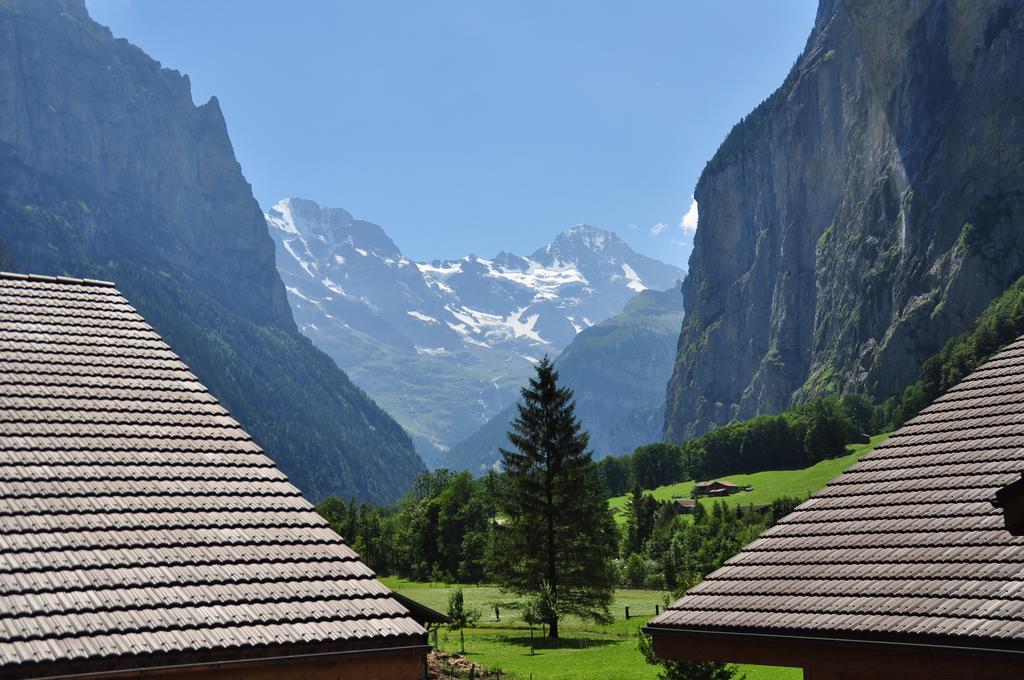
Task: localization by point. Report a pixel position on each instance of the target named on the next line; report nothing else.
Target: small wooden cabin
(684, 506)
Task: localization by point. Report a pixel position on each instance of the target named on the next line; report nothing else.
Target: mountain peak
(305, 216)
(584, 229)
(334, 228)
(591, 237)
(583, 240)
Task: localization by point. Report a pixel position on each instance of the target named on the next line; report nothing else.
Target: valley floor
(586, 651)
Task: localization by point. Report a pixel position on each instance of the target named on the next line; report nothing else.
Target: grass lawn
(585, 651)
(768, 485)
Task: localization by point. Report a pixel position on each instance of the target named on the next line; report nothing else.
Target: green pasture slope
(768, 485)
(586, 651)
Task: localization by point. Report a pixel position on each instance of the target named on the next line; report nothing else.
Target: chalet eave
(839, 656)
(143, 667)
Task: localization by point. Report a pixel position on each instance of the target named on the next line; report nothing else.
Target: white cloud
(631, 226)
(658, 228)
(689, 221)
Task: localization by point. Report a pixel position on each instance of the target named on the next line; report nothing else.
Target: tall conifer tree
(556, 529)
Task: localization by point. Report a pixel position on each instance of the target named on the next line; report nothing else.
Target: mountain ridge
(445, 344)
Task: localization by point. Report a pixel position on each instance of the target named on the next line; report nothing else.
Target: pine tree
(633, 543)
(640, 512)
(555, 528)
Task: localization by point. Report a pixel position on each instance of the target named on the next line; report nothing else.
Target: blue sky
(474, 126)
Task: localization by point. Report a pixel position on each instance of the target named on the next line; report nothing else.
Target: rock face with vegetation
(108, 170)
(617, 370)
(861, 216)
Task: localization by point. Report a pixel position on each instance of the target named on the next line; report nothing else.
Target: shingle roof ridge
(42, 278)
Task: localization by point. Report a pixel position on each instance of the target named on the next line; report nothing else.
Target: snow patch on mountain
(547, 282)
(332, 286)
(433, 351)
(422, 317)
(634, 279)
(306, 266)
(525, 329)
(292, 290)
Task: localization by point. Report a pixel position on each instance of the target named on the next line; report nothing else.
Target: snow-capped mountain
(444, 345)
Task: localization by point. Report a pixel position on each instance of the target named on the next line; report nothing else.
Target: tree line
(542, 528)
(439, 531)
(801, 436)
(663, 550)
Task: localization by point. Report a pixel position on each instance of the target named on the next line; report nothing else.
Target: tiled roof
(905, 543)
(139, 524)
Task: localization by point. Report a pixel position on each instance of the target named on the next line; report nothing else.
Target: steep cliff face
(108, 170)
(859, 217)
(87, 111)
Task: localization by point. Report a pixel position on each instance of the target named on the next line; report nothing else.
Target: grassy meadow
(768, 485)
(585, 651)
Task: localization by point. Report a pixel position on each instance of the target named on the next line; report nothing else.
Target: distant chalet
(142, 531)
(717, 488)
(908, 565)
(684, 506)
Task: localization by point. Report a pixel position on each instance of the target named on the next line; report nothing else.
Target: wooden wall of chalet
(407, 666)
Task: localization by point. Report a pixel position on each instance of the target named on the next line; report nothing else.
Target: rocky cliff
(108, 170)
(863, 214)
